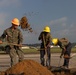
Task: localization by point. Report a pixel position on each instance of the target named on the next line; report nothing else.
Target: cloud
(59, 28)
(62, 28)
(4, 3)
(60, 21)
(69, 30)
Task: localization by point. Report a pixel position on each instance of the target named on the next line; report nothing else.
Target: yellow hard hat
(46, 29)
(15, 21)
(55, 41)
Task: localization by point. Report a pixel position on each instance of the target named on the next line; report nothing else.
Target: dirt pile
(28, 67)
(2, 73)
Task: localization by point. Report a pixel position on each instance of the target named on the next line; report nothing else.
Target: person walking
(45, 37)
(14, 36)
(66, 47)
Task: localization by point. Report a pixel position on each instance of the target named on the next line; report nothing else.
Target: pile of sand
(28, 67)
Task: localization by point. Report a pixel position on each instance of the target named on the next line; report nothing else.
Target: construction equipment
(73, 55)
(59, 62)
(6, 43)
(15, 44)
(69, 57)
(45, 56)
(40, 49)
(66, 56)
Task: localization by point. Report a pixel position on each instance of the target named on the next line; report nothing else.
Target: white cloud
(70, 29)
(59, 21)
(62, 28)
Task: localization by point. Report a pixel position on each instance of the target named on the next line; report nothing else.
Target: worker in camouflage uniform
(66, 47)
(13, 35)
(45, 37)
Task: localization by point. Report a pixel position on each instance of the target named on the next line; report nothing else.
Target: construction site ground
(55, 60)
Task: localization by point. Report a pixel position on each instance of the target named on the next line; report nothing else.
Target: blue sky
(59, 15)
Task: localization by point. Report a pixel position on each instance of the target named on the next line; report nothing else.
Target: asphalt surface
(55, 60)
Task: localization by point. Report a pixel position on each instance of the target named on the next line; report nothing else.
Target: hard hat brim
(15, 23)
(45, 31)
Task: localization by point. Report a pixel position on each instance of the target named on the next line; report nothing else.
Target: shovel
(46, 55)
(6, 43)
(59, 62)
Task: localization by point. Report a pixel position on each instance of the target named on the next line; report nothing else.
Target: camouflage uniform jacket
(45, 37)
(14, 36)
(63, 42)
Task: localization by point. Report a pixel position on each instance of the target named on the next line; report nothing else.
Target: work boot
(64, 67)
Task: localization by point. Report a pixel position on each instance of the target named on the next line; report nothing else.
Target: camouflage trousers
(14, 52)
(45, 59)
